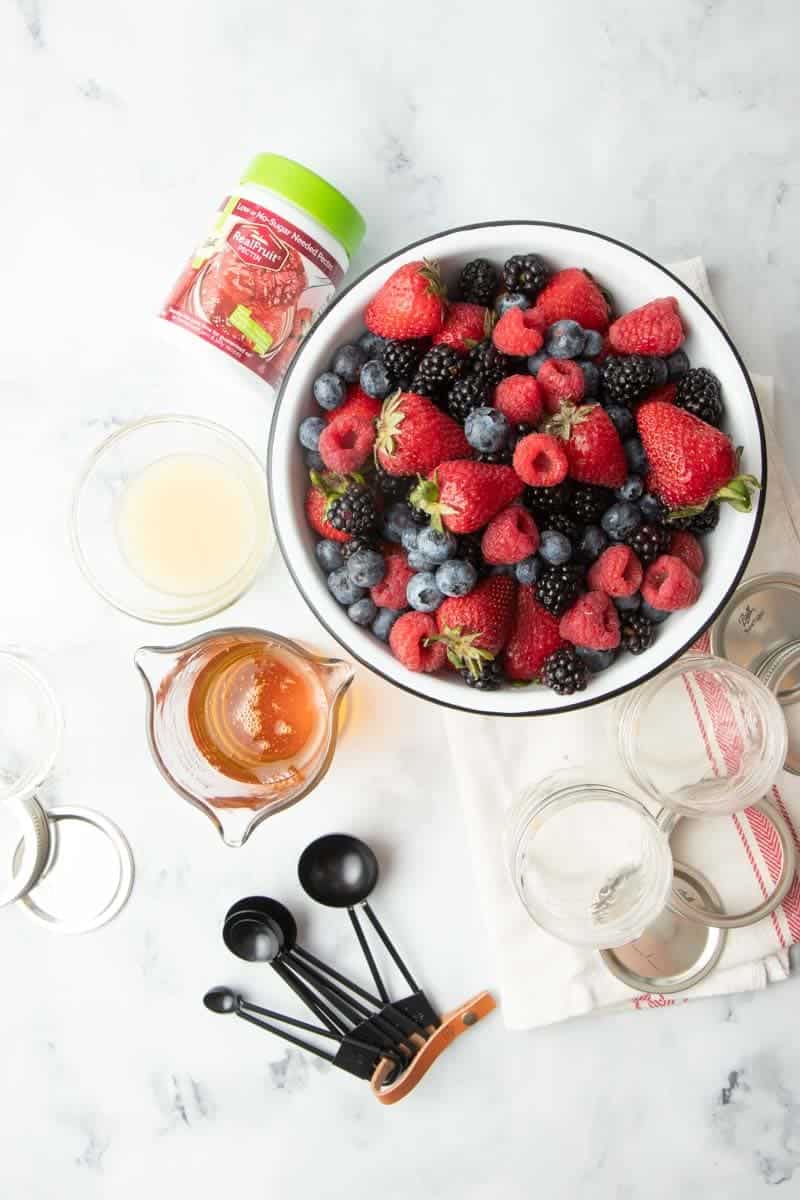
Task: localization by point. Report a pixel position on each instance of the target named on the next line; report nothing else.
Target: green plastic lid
(311, 192)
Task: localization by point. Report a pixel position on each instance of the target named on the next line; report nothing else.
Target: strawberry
(510, 536)
(534, 636)
(655, 328)
(413, 641)
(357, 404)
(540, 460)
(346, 443)
(519, 398)
(391, 591)
(411, 304)
(323, 491)
(474, 628)
(560, 379)
(592, 621)
(463, 496)
(465, 325)
(414, 436)
(573, 294)
(593, 446)
(519, 332)
(691, 462)
(669, 584)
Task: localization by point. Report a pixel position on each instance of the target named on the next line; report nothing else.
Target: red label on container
(254, 287)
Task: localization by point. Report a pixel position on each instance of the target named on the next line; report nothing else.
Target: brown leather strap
(453, 1024)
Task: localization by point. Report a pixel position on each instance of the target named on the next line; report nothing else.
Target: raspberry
(519, 398)
(541, 460)
(655, 328)
(408, 639)
(510, 536)
(518, 332)
(391, 591)
(617, 572)
(560, 379)
(357, 404)
(669, 584)
(345, 444)
(685, 546)
(592, 622)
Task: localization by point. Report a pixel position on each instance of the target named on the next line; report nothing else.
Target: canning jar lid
(320, 199)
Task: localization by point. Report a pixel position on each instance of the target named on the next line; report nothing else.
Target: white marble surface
(672, 126)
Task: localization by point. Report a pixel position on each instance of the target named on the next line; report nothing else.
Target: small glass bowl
(95, 515)
(30, 727)
(588, 861)
(704, 737)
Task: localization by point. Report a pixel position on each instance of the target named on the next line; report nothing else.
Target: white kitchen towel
(543, 980)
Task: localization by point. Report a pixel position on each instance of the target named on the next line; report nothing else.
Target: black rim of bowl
(578, 703)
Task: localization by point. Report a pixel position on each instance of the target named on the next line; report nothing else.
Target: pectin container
(275, 254)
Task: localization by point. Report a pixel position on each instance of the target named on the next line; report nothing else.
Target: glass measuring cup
(241, 722)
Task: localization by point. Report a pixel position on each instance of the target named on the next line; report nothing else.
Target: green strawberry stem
(461, 650)
(737, 493)
(332, 485)
(425, 496)
(568, 416)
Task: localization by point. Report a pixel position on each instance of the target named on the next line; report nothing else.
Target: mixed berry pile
(514, 483)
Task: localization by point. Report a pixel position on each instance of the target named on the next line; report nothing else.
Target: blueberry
(384, 621)
(456, 577)
(623, 420)
(621, 520)
(329, 555)
(591, 377)
(363, 612)
(396, 520)
(635, 456)
(555, 548)
(652, 508)
(565, 339)
(348, 361)
(342, 587)
(487, 430)
(510, 300)
(419, 562)
(631, 489)
(422, 592)
(660, 372)
(529, 570)
(677, 364)
(434, 545)
(592, 544)
(372, 344)
(328, 390)
(656, 615)
(375, 379)
(309, 432)
(628, 603)
(596, 660)
(313, 460)
(535, 361)
(365, 568)
(408, 538)
(593, 343)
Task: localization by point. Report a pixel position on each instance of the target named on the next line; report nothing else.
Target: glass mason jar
(703, 737)
(588, 861)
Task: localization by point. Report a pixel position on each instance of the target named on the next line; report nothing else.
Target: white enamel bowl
(632, 278)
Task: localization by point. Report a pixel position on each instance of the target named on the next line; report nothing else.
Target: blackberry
(469, 549)
(393, 487)
(486, 361)
(562, 523)
(488, 680)
(466, 394)
(525, 273)
(354, 511)
(565, 671)
(558, 587)
(400, 360)
(636, 632)
(478, 281)
(699, 393)
(704, 522)
(588, 503)
(626, 380)
(361, 542)
(545, 500)
(438, 368)
(649, 541)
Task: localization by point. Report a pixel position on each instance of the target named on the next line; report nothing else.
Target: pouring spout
(149, 661)
(338, 677)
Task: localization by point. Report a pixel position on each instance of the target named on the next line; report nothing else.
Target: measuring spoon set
(390, 1041)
